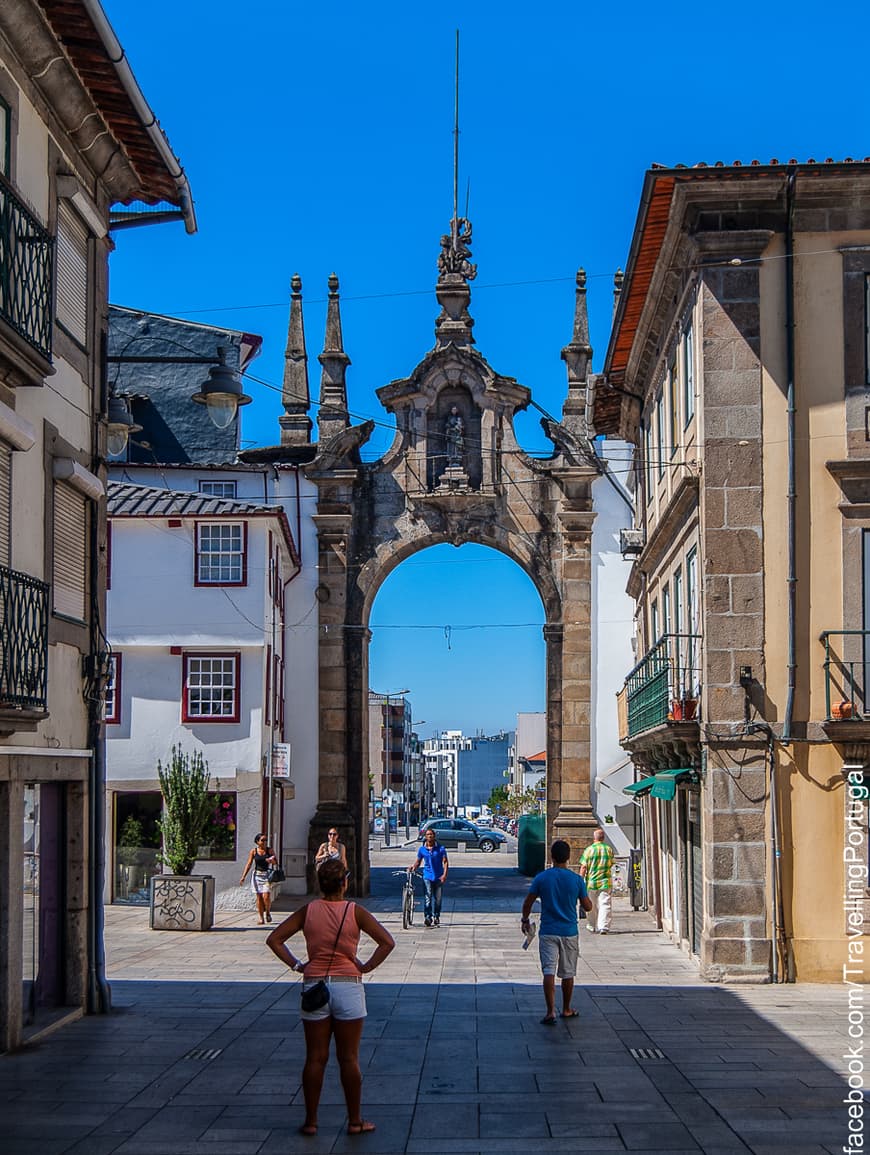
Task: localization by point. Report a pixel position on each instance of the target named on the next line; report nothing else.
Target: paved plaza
(203, 1053)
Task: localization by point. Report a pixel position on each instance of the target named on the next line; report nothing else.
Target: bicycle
(407, 897)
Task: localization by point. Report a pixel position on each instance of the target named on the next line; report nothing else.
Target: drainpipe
(99, 997)
(791, 500)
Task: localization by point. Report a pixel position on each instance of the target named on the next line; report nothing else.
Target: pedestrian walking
(330, 849)
(262, 856)
(433, 857)
(331, 926)
(559, 890)
(596, 868)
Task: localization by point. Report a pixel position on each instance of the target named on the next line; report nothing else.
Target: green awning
(664, 784)
(638, 789)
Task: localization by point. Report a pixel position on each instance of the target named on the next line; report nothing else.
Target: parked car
(483, 820)
(452, 831)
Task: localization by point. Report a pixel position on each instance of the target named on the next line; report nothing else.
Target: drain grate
(203, 1054)
(641, 1053)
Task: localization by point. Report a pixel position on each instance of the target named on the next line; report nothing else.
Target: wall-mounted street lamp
(119, 425)
(221, 392)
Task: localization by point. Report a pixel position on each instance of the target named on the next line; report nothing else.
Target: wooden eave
(89, 57)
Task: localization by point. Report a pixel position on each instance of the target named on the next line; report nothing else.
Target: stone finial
(333, 416)
(577, 357)
(454, 323)
(618, 278)
(295, 397)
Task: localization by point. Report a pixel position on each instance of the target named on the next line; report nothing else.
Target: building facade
(482, 765)
(77, 143)
(209, 669)
(738, 368)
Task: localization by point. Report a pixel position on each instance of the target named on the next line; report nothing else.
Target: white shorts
(559, 954)
(347, 999)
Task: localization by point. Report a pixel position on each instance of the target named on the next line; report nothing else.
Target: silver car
(451, 831)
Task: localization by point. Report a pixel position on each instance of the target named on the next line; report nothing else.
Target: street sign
(281, 760)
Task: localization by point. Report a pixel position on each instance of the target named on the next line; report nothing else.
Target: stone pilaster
(735, 940)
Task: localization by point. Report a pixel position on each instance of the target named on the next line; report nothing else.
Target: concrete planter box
(182, 902)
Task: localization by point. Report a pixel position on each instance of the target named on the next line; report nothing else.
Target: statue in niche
(454, 435)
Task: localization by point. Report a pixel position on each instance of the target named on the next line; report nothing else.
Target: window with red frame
(112, 707)
(211, 688)
(221, 553)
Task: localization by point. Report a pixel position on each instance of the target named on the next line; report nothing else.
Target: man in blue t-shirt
(434, 859)
(559, 890)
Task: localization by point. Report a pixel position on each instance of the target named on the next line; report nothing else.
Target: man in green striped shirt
(596, 864)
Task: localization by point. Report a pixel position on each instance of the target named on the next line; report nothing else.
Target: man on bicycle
(433, 856)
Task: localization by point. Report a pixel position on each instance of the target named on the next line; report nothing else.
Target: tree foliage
(187, 808)
(516, 803)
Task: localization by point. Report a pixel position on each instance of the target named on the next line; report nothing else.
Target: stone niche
(436, 440)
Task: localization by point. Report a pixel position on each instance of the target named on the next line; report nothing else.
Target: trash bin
(531, 851)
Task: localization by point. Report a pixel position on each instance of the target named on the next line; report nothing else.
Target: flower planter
(182, 902)
(684, 709)
(842, 711)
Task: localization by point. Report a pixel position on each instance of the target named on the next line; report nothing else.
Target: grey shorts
(347, 1000)
(559, 954)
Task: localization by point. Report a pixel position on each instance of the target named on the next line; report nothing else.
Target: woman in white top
(331, 849)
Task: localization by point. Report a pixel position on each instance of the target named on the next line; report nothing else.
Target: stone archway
(446, 482)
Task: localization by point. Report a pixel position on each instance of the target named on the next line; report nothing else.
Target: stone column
(333, 531)
(570, 814)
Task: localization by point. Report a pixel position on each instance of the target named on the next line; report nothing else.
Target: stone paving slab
(453, 1054)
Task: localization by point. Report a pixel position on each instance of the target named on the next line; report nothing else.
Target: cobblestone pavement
(204, 1051)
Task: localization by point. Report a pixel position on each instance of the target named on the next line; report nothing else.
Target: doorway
(44, 898)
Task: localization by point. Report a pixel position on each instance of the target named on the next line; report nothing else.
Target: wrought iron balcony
(23, 641)
(26, 267)
(846, 659)
(663, 686)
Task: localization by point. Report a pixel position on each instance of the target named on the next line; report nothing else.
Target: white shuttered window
(72, 273)
(5, 506)
(69, 574)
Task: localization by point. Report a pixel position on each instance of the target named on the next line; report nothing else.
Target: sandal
(570, 1014)
(548, 1021)
(362, 1128)
(308, 1129)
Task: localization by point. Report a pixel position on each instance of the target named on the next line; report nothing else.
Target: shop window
(137, 845)
(219, 840)
(221, 553)
(211, 688)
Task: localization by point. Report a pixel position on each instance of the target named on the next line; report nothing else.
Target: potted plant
(179, 899)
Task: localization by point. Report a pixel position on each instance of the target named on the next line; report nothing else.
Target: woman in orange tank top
(331, 926)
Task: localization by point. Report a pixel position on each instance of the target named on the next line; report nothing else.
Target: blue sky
(317, 138)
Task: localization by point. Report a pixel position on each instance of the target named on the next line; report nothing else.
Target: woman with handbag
(333, 998)
(262, 858)
(330, 849)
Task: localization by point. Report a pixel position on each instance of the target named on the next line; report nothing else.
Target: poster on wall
(281, 760)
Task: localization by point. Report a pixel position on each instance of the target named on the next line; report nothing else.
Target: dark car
(452, 831)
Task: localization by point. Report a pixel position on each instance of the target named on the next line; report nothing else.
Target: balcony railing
(23, 640)
(26, 259)
(846, 658)
(663, 686)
